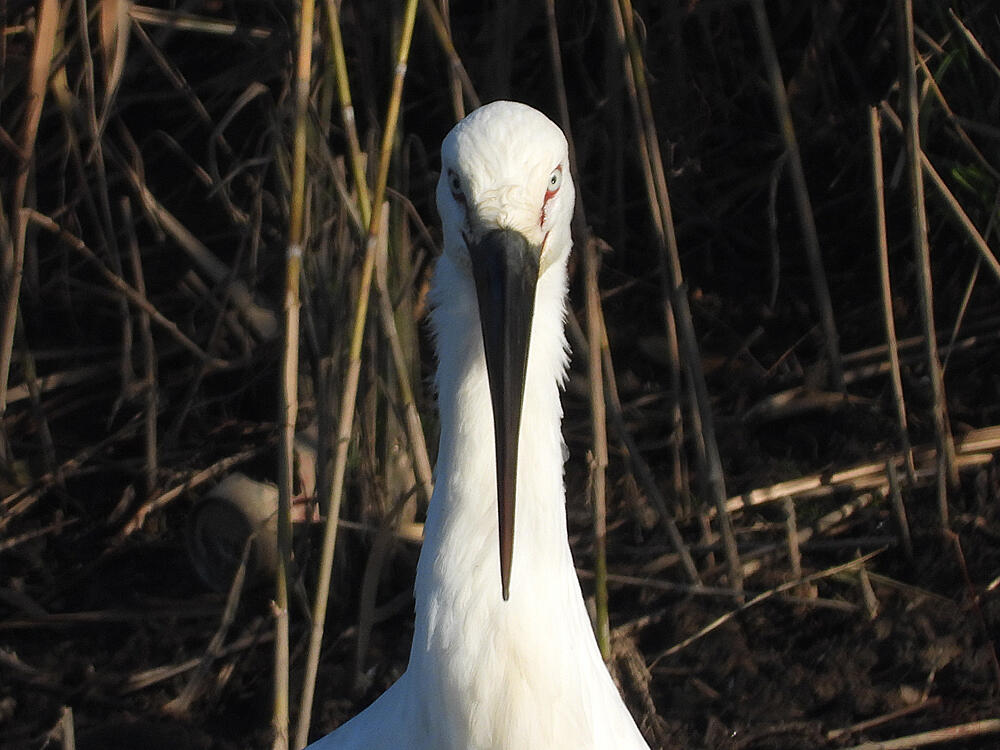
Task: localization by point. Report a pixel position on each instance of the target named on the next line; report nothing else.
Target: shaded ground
(786, 673)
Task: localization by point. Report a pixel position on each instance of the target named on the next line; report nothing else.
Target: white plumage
(488, 673)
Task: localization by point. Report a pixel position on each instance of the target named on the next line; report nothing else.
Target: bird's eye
(555, 180)
(456, 184)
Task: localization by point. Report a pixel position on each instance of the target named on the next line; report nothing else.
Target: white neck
(462, 520)
(485, 674)
(482, 661)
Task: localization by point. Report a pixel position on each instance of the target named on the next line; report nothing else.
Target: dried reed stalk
(673, 290)
(862, 726)
(950, 202)
(973, 448)
(411, 417)
(31, 380)
(289, 378)
(792, 535)
(787, 586)
(807, 223)
(599, 458)
(675, 385)
(974, 43)
(208, 474)
(149, 362)
(598, 455)
(953, 119)
(934, 736)
(181, 21)
(387, 317)
(460, 81)
(640, 468)
(899, 507)
(116, 282)
(357, 161)
(66, 728)
(180, 705)
(12, 258)
(349, 392)
(18, 503)
(882, 244)
(948, 476)
(352, 376)
(261, 321)
(820, 526)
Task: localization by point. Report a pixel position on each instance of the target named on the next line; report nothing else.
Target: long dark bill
(505, 267)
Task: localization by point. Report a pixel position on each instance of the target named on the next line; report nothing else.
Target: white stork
(503, 655)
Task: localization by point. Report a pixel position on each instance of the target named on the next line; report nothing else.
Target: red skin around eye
(548, 194)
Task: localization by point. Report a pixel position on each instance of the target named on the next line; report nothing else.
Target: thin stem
(12, 258)
(289, 378)
(599, 437)
(120, 285)
(351, 379)
(911, 133)
(674, 293)
(461, 82)
(807, 222)
(674, 381)
(149, 361)
(347, 110)
(597, 477)
(950, 202)
(414, 430)
(892, 345)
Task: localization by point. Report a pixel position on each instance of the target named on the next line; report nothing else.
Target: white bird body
(487, 673)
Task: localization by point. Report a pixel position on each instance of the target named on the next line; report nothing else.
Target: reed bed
(782, 411)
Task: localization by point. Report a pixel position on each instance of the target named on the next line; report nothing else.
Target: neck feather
(481, 668)
(461, 528)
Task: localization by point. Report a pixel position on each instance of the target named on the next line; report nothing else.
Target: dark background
(96, 609)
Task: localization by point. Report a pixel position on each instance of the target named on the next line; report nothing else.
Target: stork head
(506, 200)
